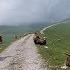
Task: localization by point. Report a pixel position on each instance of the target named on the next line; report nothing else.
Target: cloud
(60, 11)
(26, 11)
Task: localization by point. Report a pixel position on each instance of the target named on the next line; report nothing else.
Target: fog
(14, 12)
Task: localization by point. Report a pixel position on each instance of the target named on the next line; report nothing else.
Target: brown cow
(68, 60)
(1, 39)
(39, 40)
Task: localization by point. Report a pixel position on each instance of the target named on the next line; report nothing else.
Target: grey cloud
(28, 11)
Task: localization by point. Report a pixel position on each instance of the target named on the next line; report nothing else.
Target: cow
(40, 41)
(1, 39)
(43, 42)
(68, 60)
(36, 40)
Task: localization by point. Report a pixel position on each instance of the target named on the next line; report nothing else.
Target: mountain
(58, 43)
(59, 11)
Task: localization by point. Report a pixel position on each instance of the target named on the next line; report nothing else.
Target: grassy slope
(8, 32)
(58, 38)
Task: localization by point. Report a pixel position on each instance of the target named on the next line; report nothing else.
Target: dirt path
(42, 31)
(22, 55)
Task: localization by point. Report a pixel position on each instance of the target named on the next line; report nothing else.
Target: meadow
(58, 43)
(8, 32)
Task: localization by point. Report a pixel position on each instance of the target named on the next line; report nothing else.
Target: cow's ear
(66, 53)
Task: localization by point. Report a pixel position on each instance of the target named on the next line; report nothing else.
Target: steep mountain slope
(60, 11)
(58, 38)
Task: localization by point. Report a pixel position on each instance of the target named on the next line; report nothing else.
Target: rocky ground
(22, 55)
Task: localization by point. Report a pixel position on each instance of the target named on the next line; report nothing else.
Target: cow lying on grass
(38, 40)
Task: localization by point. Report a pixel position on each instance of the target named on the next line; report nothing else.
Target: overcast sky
(26, 11)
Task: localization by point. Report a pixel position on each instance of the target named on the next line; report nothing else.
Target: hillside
(58, 38)
(8, 32)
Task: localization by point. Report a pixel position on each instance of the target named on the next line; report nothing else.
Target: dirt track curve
(22, 55)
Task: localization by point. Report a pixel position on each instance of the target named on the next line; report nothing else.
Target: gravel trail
(22, 55)
(42, 31)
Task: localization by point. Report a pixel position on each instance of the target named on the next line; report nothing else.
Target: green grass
(8, 33)
(58, 38)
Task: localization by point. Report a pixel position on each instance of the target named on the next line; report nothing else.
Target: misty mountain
(60, 11)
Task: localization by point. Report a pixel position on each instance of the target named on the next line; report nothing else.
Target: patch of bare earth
(22, 55)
